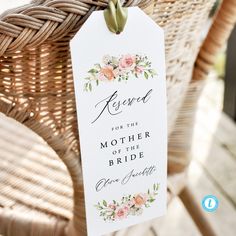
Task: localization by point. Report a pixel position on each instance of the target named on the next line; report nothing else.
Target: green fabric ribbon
(115, 16)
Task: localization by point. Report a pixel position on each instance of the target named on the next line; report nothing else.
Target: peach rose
(107, 72)
(127, 61)
(140, 199)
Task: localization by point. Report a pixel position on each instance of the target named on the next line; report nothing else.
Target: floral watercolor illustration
(120, 69)
(131, 205)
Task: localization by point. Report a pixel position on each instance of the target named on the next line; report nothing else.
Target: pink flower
(127, 61)
(101, 77)
(140, 199)
(122, 213)
(139, 69)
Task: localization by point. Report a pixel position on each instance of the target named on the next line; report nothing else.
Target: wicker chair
(36, 90)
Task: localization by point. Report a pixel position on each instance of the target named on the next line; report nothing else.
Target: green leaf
(152, 72)
(90, 87)
(104, 203)
(145, 75)
(93, 71)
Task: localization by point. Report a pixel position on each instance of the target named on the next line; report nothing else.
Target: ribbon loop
(115, 16)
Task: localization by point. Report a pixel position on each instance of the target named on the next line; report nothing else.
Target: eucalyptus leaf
(92, 71)
(104, 203)
(145, 75)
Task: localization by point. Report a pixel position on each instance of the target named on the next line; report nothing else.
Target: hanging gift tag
(121, 105)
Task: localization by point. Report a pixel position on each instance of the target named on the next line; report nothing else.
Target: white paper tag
(121, 105)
